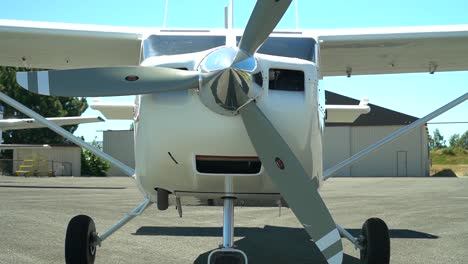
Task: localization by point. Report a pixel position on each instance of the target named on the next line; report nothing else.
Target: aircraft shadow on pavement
(271, 244)
(247, 231)
(400, 233)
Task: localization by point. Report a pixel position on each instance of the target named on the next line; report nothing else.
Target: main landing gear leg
(373, 243)
(227, 254)
(82, 239)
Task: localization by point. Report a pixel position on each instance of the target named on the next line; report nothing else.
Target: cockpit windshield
(293, 47)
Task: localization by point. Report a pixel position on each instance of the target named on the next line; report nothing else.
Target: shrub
(448, 151)
(92, 165)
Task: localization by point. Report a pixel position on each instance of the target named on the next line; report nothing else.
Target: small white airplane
(222, 113)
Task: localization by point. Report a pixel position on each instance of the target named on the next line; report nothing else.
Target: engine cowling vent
(228, 164)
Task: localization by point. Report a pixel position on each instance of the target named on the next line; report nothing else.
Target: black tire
(376, 242)
(81, 233)
(163, 199)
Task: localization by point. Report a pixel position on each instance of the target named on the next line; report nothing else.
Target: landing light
(279, 163)
(132, 78)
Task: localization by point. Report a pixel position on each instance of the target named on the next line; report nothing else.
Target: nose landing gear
(227, 254)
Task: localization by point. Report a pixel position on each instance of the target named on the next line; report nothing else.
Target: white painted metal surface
(181, 115)
(114, 110)
(366, 51)
(62, 46)
(345, 113)
(393, 50)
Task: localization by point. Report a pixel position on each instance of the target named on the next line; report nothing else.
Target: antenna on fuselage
(228, 15)
(229, 23)
(165, 13)
(297, 14)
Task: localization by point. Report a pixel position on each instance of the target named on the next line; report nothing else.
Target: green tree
(431, 142)
(48, 106)
(92, 165)
(454, 141)
(463, 141)
(437, 141)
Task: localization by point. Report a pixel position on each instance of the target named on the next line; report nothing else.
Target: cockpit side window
(286, 80)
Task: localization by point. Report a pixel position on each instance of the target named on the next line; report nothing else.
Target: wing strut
(400, 132)
(64, 133)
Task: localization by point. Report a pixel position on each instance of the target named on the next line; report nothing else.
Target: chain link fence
(10, 167)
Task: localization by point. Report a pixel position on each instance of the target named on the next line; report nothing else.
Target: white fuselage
(172, 128)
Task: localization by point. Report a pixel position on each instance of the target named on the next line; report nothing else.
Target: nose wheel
(227, 256)
(81, 240)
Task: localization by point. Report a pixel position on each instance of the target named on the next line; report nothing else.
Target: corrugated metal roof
(378, 116)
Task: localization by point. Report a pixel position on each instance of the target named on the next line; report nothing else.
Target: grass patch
(449, 156)
(449, 162)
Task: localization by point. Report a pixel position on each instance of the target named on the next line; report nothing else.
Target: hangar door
(402, 163)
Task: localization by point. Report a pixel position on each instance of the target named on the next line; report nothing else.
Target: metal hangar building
(406, 156)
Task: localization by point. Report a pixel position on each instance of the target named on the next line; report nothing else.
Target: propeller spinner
(230, 84)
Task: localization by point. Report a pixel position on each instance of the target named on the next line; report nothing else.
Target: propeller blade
(296, 187)
(107, 81)
(262, 21)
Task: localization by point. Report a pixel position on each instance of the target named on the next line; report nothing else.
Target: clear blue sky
(414, 94)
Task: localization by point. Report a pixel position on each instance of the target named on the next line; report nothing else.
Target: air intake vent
(227, 164)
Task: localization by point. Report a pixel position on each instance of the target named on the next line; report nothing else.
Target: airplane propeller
(295, 185)
(108, 81)
(224, 78)
(264, 18)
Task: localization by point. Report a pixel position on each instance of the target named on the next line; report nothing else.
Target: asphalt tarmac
(427, 217)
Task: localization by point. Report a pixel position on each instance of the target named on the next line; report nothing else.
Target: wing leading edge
(342, 52)
(393, 50)
(63, 46)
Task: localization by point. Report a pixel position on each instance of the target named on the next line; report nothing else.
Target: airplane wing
(342, 52)
(393, 50)
(114, 110)
(27, 123)
(64, 46)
